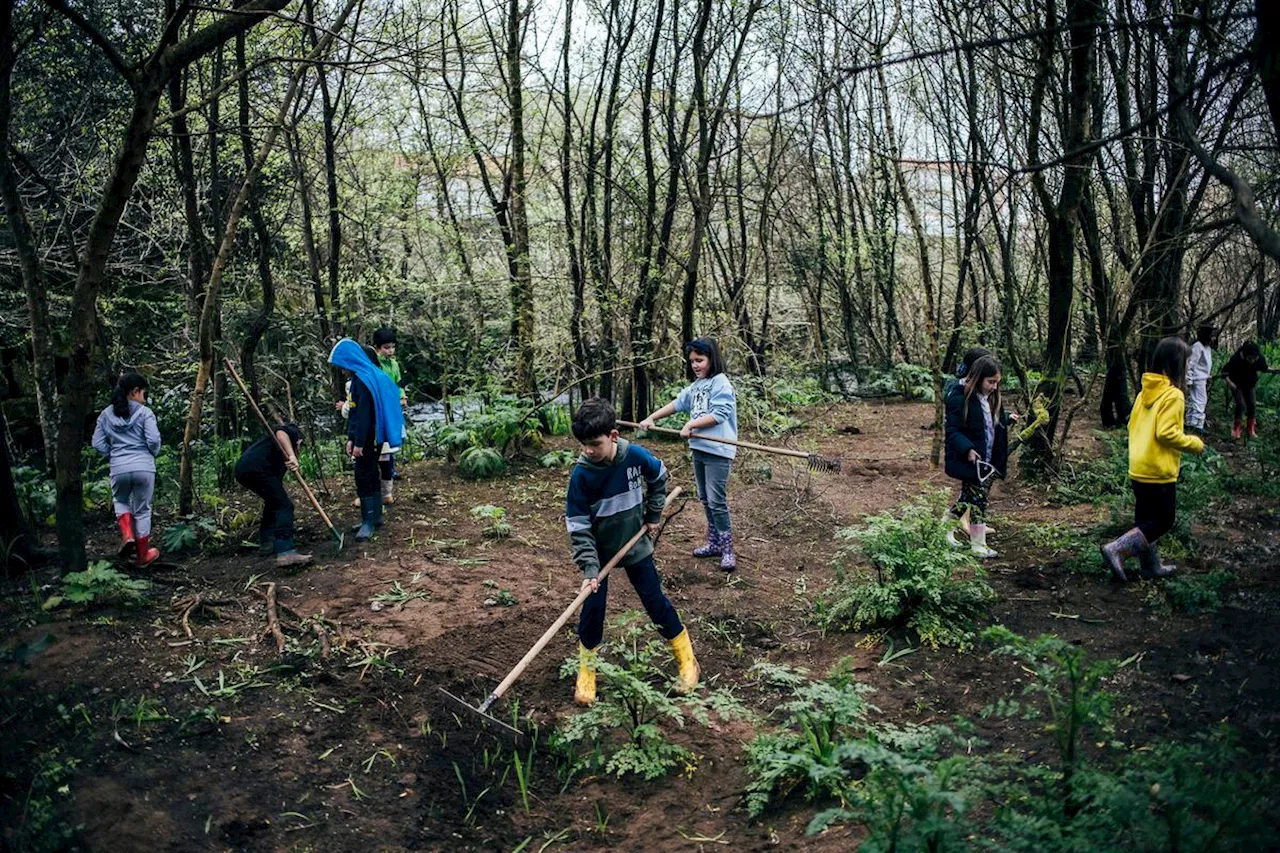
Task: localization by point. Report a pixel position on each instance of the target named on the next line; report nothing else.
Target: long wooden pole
(566, 614)
(231, 371)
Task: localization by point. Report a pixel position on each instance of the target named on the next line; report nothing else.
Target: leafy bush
(1166, 796)
(1095, 480)
(195, 531)
(481, 463)
(636, 702)
(915, 579)
(1201, 487)
(37, 493)
(41, 830)
(555, 420)
(498, 527)
(913, 381)
(819, 715)
(558, 458)
(892, 779)
(1071, 685)
(1186, 593)
(506, 428)
(910, 797)
(98, 582)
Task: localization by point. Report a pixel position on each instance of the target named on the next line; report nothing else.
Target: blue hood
(349, 355)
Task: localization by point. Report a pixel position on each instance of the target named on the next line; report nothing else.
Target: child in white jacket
(1199, 369)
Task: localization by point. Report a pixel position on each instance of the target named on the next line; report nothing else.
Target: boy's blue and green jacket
(608, 503)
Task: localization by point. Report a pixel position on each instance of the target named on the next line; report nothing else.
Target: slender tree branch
(117, 60)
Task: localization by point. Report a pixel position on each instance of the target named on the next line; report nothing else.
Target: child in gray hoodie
(127, 434)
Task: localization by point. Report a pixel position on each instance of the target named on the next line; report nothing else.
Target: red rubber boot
(128, 547)
(146, 554)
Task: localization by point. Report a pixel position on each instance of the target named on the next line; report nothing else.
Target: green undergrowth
(1204, 485)
(627, 732)
(98, 583)
(938, 787)
(914, 578)
(1190, 593)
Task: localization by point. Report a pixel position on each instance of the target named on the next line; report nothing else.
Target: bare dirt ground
(357, 751)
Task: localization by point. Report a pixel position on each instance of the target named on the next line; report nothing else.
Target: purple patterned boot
(1130, 544)
(728, 562)
(713, 546)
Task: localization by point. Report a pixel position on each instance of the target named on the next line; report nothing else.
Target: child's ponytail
(128, 383)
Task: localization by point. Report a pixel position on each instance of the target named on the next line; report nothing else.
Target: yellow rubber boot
(682, 648)
(585, 691)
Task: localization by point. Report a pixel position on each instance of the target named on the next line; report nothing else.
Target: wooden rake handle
(781, 451)
(267, 425)
(565, 616)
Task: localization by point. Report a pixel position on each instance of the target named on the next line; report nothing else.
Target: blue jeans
(644, 577)
(711, 473)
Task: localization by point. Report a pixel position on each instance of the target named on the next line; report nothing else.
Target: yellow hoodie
(1156, 439)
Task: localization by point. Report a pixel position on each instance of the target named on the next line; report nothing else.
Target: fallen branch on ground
(273, 619)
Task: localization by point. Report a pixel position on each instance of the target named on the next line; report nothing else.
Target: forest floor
(215, 741)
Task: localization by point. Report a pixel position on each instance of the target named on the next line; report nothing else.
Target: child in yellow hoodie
(1156, 445)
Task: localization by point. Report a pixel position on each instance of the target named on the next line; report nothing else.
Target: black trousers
(1155, 505)
(644, 577)
(1246, 400)
(277, 509)
(368, 476)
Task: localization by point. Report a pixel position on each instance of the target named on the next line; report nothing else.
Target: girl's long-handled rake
(815, 462)
(338, 538)
(506, 729)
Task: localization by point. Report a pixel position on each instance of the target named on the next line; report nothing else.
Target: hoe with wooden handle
(816, 462)
(337, 534)
(507, 729)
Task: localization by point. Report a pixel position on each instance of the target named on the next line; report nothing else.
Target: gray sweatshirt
(130, 443)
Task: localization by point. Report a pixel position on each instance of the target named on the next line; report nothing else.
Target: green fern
(481, 463)
(558, 458)
(98, 582)
(915, 579)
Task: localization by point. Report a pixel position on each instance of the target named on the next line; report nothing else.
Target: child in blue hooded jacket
(713, 413)
(376, 419)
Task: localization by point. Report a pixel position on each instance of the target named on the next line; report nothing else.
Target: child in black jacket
(977, 449)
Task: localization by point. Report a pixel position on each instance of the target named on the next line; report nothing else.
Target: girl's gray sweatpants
(711, 473)
(131, 492)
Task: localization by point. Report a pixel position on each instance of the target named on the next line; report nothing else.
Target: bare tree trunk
(262, 320)
(577, 276)
(522, 297)
(932, 333)
(209, 313)
(16, 541)
(1063, 215)
(35, 283)
(710, 115)
(307, 220)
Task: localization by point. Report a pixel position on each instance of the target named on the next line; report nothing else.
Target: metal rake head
(485, 720)
(825, 464)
